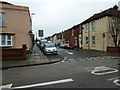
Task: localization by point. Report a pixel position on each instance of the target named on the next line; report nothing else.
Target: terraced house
(102, 30)
(15, 24)
(74, 36)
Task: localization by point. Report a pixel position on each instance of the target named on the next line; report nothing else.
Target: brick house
(72, 36)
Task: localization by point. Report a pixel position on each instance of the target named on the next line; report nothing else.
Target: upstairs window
(2, 19)
(113, 22)
(86, 27)
(5, 40)
(93, 25)
(72, 32)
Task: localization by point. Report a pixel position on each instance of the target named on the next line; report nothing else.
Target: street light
(32, 36)
(31, 19)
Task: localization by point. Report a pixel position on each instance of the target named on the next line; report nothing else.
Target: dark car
(42, 42)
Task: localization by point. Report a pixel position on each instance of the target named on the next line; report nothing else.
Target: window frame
(2, 19)
(113, 22)
(72, 32)
(93, 40)
(6, 40)
(93, 25)
(86, 27)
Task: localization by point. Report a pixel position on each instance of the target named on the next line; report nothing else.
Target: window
(72, 32)
(93, 25)
(2, 19)
(93, 40)
(5, 40)
(87, 40)
(113, 22)
(112, 39)
(86, 27)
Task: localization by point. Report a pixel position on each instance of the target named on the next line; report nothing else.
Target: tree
(114, 27)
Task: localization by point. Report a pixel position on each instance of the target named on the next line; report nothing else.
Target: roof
(109, 12)
(3, 2)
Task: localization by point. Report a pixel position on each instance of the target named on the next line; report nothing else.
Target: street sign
(30, 33)
(40, 33)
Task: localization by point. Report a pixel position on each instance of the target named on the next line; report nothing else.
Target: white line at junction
(116, 82)
(5, 86)
(43, 84)
(70, 53)
(110, 79)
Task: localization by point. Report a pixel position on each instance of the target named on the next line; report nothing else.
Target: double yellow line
(64, 59)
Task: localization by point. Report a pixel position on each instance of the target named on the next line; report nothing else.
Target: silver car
(49, 48)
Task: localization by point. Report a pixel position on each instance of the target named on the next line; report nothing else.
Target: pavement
(35, 58)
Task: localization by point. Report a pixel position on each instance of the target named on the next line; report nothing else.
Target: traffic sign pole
(103, 35)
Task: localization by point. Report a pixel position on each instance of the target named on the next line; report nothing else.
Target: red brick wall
(14, 53)
(113, 49)
(68, 35)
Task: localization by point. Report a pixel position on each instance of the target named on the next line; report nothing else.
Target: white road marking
(70, 59)
(103, 68)
(43, 84)
(116, 82)
(89, 68)
(113, 78)
(70, 53)
(6, 86)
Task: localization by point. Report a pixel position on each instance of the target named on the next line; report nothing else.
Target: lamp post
(32, 36)
(31, 19)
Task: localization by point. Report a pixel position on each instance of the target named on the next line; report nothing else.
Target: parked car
(68, 46)
(49, 48)
(62, 45)
(42, 42)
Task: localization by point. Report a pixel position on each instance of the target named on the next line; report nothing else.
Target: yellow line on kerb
(64, 59)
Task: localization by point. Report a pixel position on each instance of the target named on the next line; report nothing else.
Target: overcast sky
(54, 16)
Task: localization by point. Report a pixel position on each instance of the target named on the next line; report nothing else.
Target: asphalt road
(75, 74)
(81, 69)
(77, 55)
